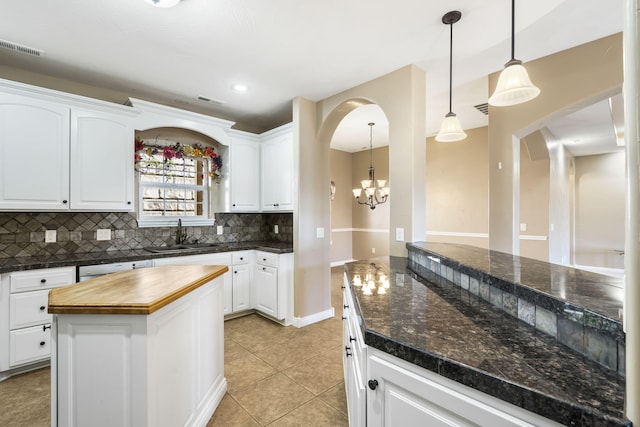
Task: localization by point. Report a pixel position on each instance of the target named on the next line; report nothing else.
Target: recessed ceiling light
(163, 3)
(238, 87)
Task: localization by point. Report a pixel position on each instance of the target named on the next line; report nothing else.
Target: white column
(632, 245)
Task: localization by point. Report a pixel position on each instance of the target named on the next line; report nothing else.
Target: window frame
(206, 219)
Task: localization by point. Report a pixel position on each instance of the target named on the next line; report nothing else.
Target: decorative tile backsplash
(23, 233)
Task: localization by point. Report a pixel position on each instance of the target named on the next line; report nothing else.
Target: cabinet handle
(351, 338)
(344, 317)
(346, 350)
(42, 343)
(343, 287)
(64, 202)
(345, 306)
(373, 384)
(45, 327)
(42, 308)
(43, 280)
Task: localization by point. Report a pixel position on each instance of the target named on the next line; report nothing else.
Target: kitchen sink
(180, 248)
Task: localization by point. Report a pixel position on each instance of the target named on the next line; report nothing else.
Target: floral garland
(178, 151)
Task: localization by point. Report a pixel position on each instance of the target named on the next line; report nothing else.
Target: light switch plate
(219, 230)
(399, 234)
(50, 236)
(103, 234)
(523, 227)
(275, 229)
(320, 233)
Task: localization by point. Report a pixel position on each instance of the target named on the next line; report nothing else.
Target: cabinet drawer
(240, 258)
(42, 279)
(266, 258)
(29, 345)
(28, 309)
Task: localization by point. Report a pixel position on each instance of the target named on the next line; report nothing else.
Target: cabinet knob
(344, 317)
(65, 202)
(264, 268)
(43, 280)
(373, 384)
(234, 205)
(241, 258)
(264, 259)
(129, 202)
(235, 272)
(45, 327)
(345, 306)
(42, 308)
(343, 287)
(42, 343)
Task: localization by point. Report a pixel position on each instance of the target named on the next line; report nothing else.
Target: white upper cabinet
(34, 154)
(244, 171)
(277, 175)
(61, 152)
(101, 162)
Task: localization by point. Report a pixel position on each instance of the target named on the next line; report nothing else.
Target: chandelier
(374, 190)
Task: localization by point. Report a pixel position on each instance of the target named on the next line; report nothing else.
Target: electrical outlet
(219, 230)
(275, 229)
(373, 250)
(399, 234)
(103, 234)
(320, 233)
(50, 236)
(523, 227)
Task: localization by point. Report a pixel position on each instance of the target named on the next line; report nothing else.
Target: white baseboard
(300, 322)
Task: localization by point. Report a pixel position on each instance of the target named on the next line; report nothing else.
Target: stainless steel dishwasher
(86, 272)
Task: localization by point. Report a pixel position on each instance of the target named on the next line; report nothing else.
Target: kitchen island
(139, 348)
(429, 349)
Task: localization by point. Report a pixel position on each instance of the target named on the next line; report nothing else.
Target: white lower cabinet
(266, 289)
(241, 289)
(385, 391)
(272, 285)
(25, 324)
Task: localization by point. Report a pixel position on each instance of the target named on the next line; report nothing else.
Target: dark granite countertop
(596, 292)
(106, 257)
(448, 330)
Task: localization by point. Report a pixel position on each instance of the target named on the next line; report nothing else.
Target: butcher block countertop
(141, 291)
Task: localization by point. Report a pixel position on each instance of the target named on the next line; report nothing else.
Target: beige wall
(572, 78)
(341, 207)
(401, 95)
(371, 235)
(457, 188)
(600, 201)
(534, 206)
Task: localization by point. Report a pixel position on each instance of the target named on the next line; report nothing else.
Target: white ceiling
(287, 48)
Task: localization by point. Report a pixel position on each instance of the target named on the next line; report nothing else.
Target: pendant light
(451, 130)
(514, 86)
(374, 189)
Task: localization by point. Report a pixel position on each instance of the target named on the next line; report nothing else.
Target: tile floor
(277, 376)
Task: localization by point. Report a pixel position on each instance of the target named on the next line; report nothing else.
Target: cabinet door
(101, 161)
(403, 397)
(245, 172)
(29, 344)
(34, 154)
(241, 287)
(266, 290)
(277, 174)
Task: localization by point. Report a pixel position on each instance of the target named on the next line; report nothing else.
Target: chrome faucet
(181, 234)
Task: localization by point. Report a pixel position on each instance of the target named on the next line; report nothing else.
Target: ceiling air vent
(209, 100)
(20, 48)
(483, 108)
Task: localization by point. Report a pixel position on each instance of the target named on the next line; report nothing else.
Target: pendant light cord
(450, 66)
(513, 30)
